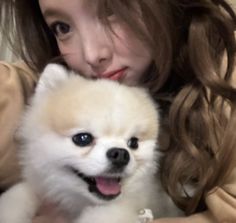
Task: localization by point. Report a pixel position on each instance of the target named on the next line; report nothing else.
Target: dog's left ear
(52, 75)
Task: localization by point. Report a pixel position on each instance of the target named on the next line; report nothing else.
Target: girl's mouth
(114, 75)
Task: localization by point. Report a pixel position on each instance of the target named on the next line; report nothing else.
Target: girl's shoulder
(16, 85)
(221, 201)
(17, 78)
(10, 69)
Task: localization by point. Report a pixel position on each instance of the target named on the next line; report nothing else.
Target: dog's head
(94, 138)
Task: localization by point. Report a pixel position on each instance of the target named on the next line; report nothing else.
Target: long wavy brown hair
(193, 47)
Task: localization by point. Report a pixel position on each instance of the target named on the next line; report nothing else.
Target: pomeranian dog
(89, 146)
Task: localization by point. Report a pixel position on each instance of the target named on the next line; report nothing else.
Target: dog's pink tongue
(108, 186)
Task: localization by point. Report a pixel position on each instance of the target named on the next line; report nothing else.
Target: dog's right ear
(52, 75)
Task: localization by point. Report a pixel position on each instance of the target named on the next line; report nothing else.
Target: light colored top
(17, 84)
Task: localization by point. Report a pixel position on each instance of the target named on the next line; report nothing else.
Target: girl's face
(89, 48)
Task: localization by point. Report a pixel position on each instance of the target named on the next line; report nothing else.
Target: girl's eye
(83, 139)
(60, 28)
(133, 143)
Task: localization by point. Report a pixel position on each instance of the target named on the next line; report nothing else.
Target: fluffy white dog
(90, 147)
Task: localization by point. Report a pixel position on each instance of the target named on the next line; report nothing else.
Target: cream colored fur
(65, 105)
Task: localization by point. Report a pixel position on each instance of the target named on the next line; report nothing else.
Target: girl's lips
(114, 75)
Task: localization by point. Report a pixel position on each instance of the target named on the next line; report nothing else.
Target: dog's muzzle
(108, 185)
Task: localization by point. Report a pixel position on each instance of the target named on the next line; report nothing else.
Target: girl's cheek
(71, 57)
(63, 48)
(73, 62)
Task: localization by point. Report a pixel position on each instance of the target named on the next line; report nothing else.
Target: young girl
(182, 51)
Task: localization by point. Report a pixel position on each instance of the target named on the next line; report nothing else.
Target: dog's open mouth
(104, 187)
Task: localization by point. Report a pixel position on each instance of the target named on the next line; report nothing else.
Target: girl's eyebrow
(50, 12)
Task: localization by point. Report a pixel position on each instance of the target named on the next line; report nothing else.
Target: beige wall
(5, 53)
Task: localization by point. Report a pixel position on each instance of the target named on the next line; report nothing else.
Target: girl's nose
(97, 52)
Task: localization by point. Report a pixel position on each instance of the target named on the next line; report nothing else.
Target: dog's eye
(133, 143)
(82, 139)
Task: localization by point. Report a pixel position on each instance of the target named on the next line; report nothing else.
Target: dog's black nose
(118, 156)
